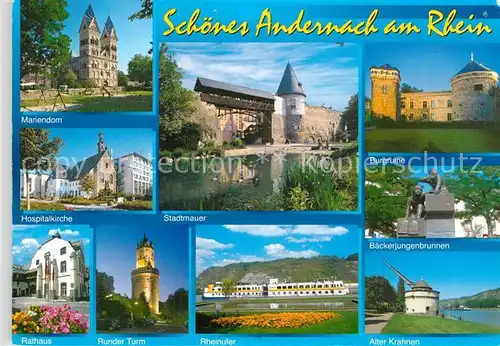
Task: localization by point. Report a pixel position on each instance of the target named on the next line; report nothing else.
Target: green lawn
(347, 323)
(407, 324)
(432, 140)
(127, 102)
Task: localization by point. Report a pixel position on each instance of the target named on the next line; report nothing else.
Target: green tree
(176, 304)
(406, 88)
(350, 118)
(176, 102)
(401, 306)
(122, 78)
(140, 69)
(44, 47)
(38, 152)
(88, 185)
(140, 307)
(68, 78)
(379, 294)
(386, 191)
(228, 286)
(146, 11)
(480, 192)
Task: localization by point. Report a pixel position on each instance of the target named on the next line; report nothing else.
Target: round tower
(385, 92)
(473, 92)
(146, 278)
(422, 299)
(294, 100)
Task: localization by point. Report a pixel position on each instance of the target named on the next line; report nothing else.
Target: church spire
(101, 146)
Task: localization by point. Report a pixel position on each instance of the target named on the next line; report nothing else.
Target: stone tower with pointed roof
(473, 91)
(294, 99)
(98, 58)
(145, 276)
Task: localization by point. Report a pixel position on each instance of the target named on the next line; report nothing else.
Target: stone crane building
(473, 96)
(421, 298)
(98, 56)
(145, 277)
(285, 116)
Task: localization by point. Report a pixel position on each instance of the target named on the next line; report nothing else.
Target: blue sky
(82, 143)
(327, 71)
(454, 274)
(428, 66)
(116, 255)
(133, 37)
(223, 245)
(27, 238)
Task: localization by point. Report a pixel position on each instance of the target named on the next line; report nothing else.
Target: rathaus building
(473, 96)
(98, 59)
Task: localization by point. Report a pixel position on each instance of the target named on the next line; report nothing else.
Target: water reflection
(242, 178)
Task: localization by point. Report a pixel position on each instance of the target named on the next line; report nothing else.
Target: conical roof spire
(88, 18)
(109, 27)
(289, 83)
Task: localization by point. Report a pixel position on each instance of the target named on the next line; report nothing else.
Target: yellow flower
(14, 326)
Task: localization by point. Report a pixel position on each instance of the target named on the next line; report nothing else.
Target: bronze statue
(435, 181)
(415, 204)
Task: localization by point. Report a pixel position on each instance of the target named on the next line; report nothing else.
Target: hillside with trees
(485, 299)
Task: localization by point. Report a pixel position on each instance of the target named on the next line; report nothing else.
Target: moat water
(236, 180)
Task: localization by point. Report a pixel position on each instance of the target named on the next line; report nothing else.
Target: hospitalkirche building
(145, 277)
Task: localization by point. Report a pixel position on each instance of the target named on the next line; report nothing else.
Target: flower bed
(275, 320)
(50, 320)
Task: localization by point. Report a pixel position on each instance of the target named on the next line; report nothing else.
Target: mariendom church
(98, 59)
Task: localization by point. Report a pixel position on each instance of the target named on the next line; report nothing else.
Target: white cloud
(280, 251)
(318, 230)
(211, 244)
(27, 246)
(328, 81)
(259, 230)
(86, 241)
(314, 239)
(64, 233)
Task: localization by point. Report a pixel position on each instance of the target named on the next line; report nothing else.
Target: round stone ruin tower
(473, 92)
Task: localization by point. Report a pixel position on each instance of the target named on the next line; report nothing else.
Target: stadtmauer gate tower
(146, 278)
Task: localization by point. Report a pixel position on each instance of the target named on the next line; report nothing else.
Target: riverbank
(408, 324)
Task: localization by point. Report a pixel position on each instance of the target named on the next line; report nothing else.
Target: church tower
(294, 98)
(101, 146)
(385, 92)
(109, 40)
(89, 34)
(145, 277)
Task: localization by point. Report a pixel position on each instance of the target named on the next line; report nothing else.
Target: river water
(490, 317)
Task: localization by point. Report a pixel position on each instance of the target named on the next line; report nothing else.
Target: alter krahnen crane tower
(421, 298)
